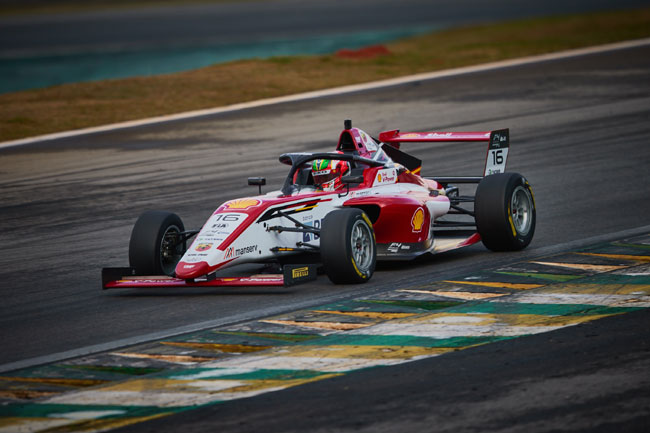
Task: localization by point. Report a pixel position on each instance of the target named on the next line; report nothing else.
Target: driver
(328, 173)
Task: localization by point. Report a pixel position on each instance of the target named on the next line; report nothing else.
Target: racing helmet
(327, 173)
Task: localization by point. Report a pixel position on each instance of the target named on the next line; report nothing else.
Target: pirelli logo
(296, 274)
(300, 272)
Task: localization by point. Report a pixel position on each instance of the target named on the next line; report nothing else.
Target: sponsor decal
(213, 238)
(417, 221)
(437, 134)
(253, 279)
(287, 209)
(203, 247)
(245, 250)
(411, 135)
(188, 266)
(233, 252)
(498, 139)
(364, 137)
(384, 177)
(394, 247)
(296, 274)
(308, 237)
(220, 226)
(244, 203)
(300, 272)
(368, 141)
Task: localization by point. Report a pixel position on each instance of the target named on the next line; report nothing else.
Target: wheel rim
(362, 246)
(521, 209)
(171, 250)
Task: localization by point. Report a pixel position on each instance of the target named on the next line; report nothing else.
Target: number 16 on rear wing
(497, 154)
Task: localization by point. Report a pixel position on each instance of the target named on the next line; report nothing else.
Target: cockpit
(355, 146)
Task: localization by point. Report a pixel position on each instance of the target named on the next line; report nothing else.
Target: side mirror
(259, 181)
(350, 180)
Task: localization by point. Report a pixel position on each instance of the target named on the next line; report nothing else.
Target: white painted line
(578, 298)
(450, 330)
(158, 398)
(333, 91)
(322, 364)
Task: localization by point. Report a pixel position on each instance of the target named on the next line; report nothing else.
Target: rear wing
(497, 152)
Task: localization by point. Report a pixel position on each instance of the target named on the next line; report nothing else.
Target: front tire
(505, 214)
(156, 246)
(347, 245)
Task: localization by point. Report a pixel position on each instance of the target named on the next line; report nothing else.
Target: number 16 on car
(497, 154)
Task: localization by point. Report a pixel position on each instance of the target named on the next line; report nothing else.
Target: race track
(579, 131)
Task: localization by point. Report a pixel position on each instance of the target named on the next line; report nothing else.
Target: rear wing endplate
(497, 152)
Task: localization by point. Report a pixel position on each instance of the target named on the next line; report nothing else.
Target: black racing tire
(347, 246)
(155, 247)
(504, 209)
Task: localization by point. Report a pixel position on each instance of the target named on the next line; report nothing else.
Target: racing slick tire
(504, 210)
(155, 246)
(347, 246)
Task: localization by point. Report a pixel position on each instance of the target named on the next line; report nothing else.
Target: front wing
(126, 278)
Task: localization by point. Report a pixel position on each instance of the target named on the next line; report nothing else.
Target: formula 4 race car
(338, 212)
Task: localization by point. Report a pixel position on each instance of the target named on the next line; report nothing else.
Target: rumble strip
(134, 384)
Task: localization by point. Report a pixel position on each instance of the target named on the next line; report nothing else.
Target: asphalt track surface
(579, 132)
(183, 25)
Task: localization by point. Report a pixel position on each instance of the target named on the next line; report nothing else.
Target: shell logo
(417, 221)
(243, 203)
(379, 177)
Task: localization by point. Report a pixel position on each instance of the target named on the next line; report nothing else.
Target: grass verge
(72, 106)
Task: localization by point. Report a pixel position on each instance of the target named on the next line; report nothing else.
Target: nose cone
(188, 271)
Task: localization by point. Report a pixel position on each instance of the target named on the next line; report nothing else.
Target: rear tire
(504, 209)
(155, 247)
(347, 245)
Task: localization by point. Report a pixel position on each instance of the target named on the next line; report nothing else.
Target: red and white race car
(340, 212)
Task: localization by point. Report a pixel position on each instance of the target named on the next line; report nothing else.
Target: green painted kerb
(540, 309)
(422, 305)
(545, 277)
(38, 410)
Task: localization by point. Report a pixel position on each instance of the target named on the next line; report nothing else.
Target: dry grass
(72, 106)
